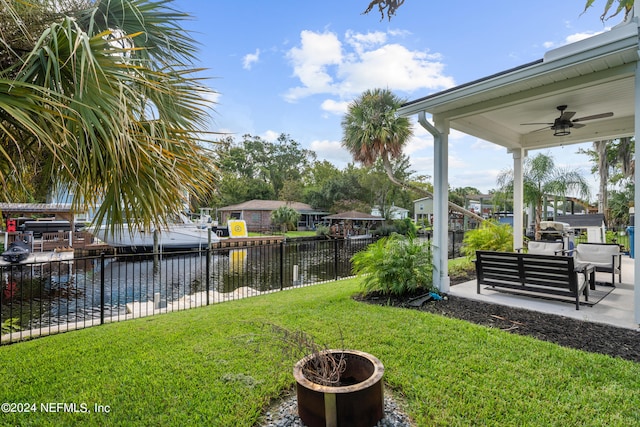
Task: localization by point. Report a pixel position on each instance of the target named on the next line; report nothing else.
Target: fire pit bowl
(357, 401)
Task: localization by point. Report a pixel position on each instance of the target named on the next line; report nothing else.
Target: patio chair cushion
(545, 248)
(605, 257)
(598, 254)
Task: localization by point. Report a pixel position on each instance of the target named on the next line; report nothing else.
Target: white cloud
(318, 51)
(331, 151)
(457, 162)
(418, 143)
(572, 38)
(360, 41)
(326, 65)
(250, 59)
(422, 165)
(395, 67)
(213, 96)
(580, 36)
(270, 136)
(335, 107)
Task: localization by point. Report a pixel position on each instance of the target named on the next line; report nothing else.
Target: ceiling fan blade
(578, 125)
(548, 124)
(567, 115)
(595, 116)
(541, 129)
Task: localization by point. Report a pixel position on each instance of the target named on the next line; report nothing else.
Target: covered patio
(597, 79)
(616, 309)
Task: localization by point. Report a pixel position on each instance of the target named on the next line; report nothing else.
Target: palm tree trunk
(388, 169)
(539, 208)
(603, 171)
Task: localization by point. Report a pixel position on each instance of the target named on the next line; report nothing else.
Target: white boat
(182, 235)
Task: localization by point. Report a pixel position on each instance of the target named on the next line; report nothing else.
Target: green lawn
(217, 366)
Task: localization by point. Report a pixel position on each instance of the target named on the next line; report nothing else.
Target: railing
(54, 240)
(38, 299)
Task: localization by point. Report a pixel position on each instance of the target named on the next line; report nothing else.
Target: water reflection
(54, 293)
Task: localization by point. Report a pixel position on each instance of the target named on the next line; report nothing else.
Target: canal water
(42, 295)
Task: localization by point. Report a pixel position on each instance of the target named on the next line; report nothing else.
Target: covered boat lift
(592, 76)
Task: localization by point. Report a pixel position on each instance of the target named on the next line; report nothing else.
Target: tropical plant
(391, 6)
(541, 179)
(613, 162)
(395, 265)
(406, 227)
(490, 236)
(322, 230)
(286, 218)
(103, 95)
(625, 5)
(10, 325)
(372, 130)
(388, 6)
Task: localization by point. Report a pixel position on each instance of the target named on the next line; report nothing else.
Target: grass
(217, 366)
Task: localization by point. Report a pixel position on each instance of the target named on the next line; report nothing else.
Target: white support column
(441, 206)
(636, 243)
(518, 197)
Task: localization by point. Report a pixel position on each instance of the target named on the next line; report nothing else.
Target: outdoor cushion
(605, 257)
(544, 248)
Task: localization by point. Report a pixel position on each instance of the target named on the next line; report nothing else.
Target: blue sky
(292, 66)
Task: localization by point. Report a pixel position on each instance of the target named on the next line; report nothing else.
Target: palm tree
(286, 217)
(372, 130)
(600, 148)
(391, 6)
(104, 94)
(541, 178)
(613, 162)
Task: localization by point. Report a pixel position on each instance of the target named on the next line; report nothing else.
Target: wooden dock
(244, 242)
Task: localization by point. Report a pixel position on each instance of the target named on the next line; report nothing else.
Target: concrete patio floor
(615, 309)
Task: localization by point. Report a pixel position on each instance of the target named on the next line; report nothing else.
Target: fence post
(207, 280)
(335, 258)
(282, 265)
(102, 288)
(453, 243)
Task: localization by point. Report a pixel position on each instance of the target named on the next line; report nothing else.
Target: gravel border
(286, 414)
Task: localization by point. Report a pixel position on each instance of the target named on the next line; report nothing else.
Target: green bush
(405, 227)
(395, 265)
(322, 230)
(385, 230)
(490, 236)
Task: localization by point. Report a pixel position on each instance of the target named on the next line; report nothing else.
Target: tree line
(251, 167)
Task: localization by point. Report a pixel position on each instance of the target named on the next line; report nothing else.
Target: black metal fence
(65, 294)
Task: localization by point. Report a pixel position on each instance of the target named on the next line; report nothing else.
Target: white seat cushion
(598, 255)
(544, 248)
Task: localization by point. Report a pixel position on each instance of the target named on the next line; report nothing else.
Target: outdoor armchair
(603, 256)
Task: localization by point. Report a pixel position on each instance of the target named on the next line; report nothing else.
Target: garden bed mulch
(567, 332)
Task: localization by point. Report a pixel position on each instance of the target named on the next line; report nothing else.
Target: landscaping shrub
(322, 230)
(490, 236)
(395, 265)
(405, 227)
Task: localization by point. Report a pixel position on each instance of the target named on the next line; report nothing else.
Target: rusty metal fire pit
(358, 404)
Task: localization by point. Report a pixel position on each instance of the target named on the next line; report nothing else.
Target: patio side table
(589, 271)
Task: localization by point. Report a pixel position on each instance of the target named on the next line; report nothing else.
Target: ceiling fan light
(561, 130)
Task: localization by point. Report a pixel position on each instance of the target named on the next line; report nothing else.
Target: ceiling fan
(562, 125)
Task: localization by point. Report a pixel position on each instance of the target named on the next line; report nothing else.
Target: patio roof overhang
(593, 76)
